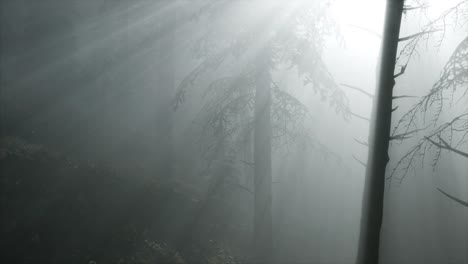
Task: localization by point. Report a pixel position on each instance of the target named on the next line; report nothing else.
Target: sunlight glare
(356, 17)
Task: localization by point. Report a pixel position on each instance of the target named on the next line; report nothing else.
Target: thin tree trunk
(373, 196)
(262, 161)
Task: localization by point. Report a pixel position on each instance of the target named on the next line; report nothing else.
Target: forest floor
(59, 210)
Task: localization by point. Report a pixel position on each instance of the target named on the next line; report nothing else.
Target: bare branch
(400, 137)
(361, 142)
(420, 150)
(446, 146)
(417, 35)
(360, 116)
(438, 24)
(357, 89)
(403, 96)
(394, 109)
(411, 8)
(405, 135)
(402, 71)
(359, 161)
(464, 203)
(454, 75)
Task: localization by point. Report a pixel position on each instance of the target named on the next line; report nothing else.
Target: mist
(234, 131)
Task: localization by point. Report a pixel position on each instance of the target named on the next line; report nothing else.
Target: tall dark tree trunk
(379, 137)
(262, 161)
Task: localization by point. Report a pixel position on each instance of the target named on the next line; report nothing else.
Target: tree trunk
(379, 136)
(262, 161)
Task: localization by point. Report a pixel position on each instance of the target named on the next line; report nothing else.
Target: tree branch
(359, 161)
(446, 146)
(464, 203)
(403, 96)
(410, 8)
(417, 35)
(404, 135)
(357, 89)
(402, 71)
(360, 116)
(361, 142)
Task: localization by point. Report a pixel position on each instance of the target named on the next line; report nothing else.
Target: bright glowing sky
(351, 15)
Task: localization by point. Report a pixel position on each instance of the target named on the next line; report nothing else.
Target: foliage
(296, 36)
(297, 41)
(451, 84)
(454, 75)
(454, 17)
(449, 135)
(227, 117)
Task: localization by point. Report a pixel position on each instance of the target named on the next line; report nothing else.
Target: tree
(450, 136)
(296, 42)
(446, 136)
(451, 84)
(263, 226)
(379, 136)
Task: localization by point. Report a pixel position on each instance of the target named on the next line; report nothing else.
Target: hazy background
(92, 84)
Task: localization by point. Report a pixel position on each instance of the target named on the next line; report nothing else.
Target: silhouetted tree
(379, 137)
(263, 45)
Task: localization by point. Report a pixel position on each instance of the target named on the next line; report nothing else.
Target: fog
(233, 131)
